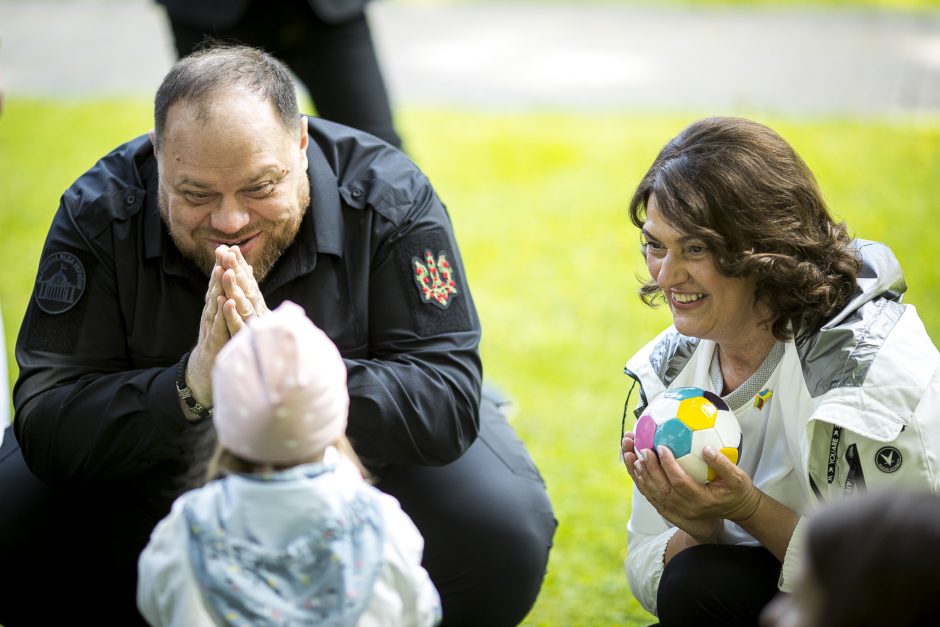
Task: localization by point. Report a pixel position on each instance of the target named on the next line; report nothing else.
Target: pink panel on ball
(645, 430)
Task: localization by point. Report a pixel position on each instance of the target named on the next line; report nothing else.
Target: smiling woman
(704, 302)
(801, 331)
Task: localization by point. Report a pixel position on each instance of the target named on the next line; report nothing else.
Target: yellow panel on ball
(697, 413)
(730, 453)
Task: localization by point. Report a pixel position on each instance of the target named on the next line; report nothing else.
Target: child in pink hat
(289, 532)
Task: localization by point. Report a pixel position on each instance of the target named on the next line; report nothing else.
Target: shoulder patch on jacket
(435, 279)
(435, 288)
(60, 282)
(59, 297)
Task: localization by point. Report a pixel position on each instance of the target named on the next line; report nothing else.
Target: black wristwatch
(186, 395)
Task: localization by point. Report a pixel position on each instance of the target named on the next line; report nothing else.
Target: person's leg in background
(55, 567)
(337, 63)
(340, 69)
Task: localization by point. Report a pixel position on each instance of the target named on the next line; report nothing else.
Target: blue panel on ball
(683, 393)
(676, 436)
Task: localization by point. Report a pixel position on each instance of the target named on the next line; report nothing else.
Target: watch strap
(186, 395)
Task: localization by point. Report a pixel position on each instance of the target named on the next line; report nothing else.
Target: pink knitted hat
(279, 389)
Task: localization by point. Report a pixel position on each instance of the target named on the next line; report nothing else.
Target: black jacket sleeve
(415, 399)
(83, 409)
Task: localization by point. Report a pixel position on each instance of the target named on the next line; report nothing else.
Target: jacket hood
(880, 275)
(841, 353)
(319, 569)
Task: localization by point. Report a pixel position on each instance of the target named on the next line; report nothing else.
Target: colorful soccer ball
(686, 420)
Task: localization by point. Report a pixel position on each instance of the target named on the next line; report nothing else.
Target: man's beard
(278, 237)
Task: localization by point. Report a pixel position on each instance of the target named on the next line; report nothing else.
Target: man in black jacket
(169, 246)
(326, 43)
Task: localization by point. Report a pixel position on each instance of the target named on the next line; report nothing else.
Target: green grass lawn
(539, 203)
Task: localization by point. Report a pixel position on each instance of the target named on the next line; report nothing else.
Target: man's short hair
(196, 77)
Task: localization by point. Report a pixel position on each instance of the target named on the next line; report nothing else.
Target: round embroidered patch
(60, 283)
(888, 459)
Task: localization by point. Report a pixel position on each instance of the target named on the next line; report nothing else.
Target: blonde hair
(224, 462)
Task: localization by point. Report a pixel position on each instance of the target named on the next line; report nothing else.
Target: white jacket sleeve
(648, 533)
(791, 560)
(404, 593)
(167, 593)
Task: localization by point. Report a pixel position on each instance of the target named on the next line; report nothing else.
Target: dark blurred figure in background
(327, 44)
(869, 560)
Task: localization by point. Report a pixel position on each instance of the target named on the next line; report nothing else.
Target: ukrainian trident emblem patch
(435, 279)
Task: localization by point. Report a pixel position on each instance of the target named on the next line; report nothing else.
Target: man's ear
(304, 138)
(153, 140)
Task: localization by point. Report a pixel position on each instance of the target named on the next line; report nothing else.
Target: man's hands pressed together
(232, 299)
(243, 298)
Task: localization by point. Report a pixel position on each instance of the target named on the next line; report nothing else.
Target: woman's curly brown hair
(742, 189)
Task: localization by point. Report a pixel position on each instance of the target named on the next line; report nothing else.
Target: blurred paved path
(583, 56)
